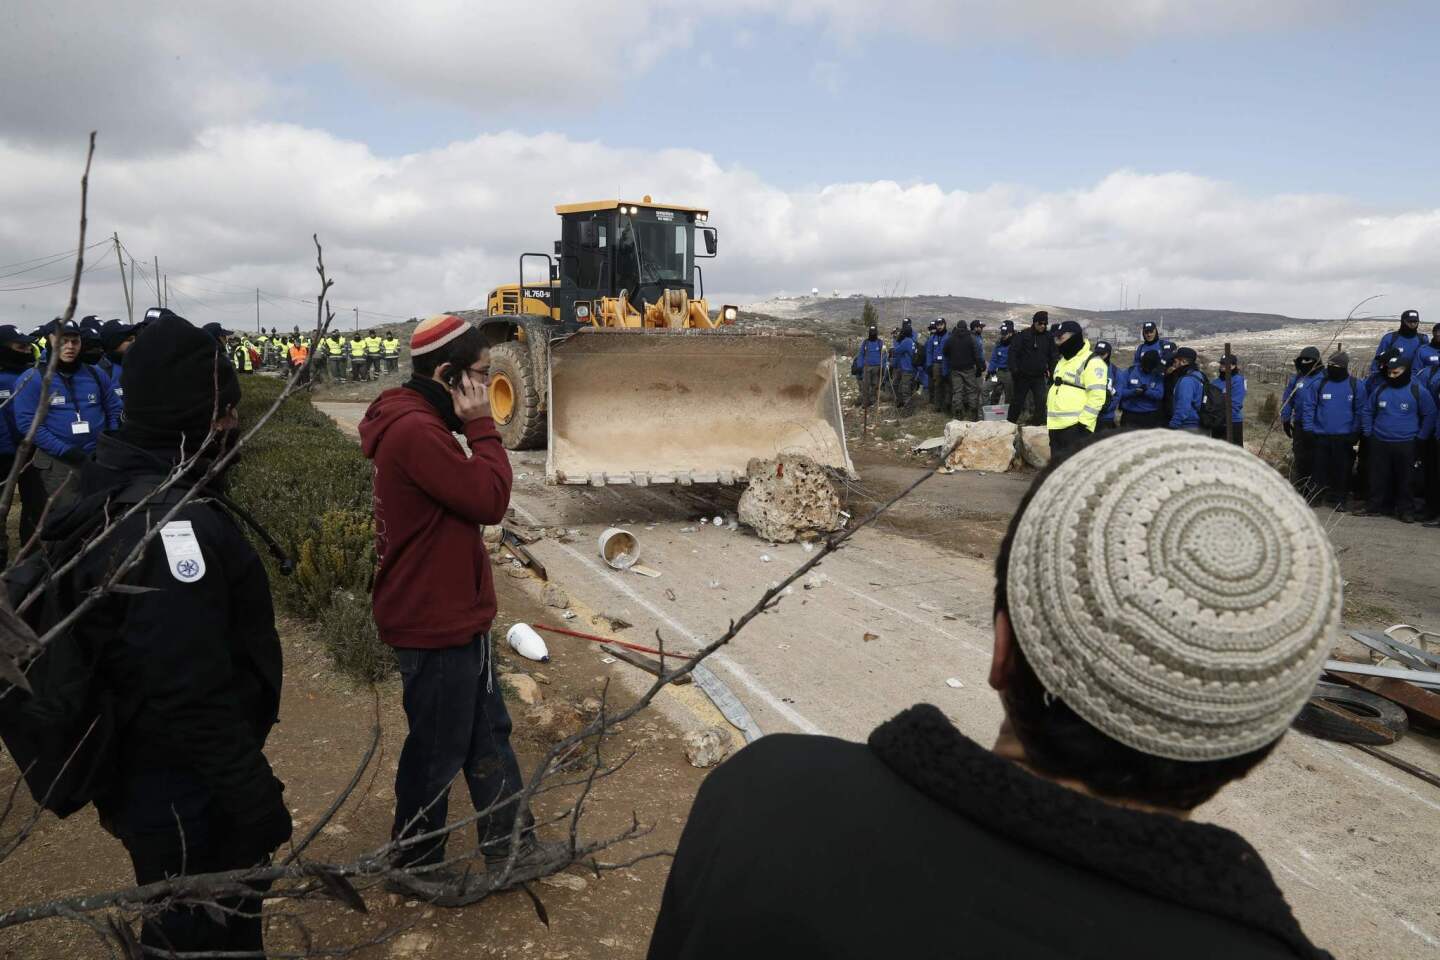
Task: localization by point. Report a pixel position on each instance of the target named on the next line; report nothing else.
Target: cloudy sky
(1275, 155)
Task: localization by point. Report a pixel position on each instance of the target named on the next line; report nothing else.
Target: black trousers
(1237, 434)
(1141, 420)
(1334, 459)
(1302, 459)
(1068, 440)
(1430, 476)
(1392, 475)
(171, 826)
(458, 724)
(1031, 389)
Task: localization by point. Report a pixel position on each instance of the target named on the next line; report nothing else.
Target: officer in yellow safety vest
(244, 362)
(392, 353)
(335, 354)
(374, 353)
(359, 368)
(1079, 389)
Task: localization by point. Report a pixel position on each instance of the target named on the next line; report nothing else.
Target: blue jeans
(458, 722)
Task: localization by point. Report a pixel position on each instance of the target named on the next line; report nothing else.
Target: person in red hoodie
(441, 475)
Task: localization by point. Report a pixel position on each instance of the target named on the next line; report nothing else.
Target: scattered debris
(871, 636)
(568, 615)
(565, 881)
(714, 584)
(669, 594)
(816, 580)
(607, 660)
(619, 548)
(555, 597)
(645, 571)
(526, 642)
(954, 683)
(648, 664)
(718, 520)
(411, 944)
(933, 443)
(705, 748)
(779, 507)
(555, 720)
(764, 558)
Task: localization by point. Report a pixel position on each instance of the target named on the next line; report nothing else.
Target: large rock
(1035, 446)
(987, 445)
(705, 748)
(787, 498)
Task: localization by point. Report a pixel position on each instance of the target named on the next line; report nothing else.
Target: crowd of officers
(361, 356)
(1058, 379)
(86, 399)
(1373, 437)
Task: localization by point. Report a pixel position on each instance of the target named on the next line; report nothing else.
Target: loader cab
(641, 248)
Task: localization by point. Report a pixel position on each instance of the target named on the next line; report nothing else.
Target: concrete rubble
(1035, 446)
(987, 445)
(705, 748)
(788, 497)
(555, 597)
(525, 689)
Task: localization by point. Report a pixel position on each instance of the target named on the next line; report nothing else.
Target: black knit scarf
(438, 397)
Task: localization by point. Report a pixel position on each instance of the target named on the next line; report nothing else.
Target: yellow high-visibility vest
(1078, 391)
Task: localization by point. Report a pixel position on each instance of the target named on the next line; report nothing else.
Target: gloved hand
(1354, 439)
(75, 457)
(1055, 382)
(1289, 430)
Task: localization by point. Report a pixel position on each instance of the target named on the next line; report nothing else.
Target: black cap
(171, 377)
(1041, 316)
(217, 331)
(66, 328)
(115, 332)
(1410, 316)
(1230, 360)
(1187, 353)
(1007, 326)
(1148, 326)
(1102, 347)
(1069, 326)
(977, 324)
(8, 334)
(1395, 359)
(1310, 353)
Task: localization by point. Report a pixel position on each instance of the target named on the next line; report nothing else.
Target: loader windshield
(653, 252)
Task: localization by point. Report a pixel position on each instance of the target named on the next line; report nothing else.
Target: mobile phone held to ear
(452, 375)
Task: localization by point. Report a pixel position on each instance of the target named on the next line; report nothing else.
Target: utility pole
(357, 318)
(257, 309)
(157, 281)
(167, 290)
(129, 301)
(132, 290)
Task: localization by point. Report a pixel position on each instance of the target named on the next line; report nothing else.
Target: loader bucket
(689, 406)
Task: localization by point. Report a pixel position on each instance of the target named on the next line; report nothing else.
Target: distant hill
(840, 317)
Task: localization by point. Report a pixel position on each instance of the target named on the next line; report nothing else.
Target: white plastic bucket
(619, 548)
(995, 411)
(525, 641)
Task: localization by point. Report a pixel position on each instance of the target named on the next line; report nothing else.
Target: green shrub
(310, 487)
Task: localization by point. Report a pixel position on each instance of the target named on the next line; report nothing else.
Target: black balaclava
(1435, 335)
(1150, 361)
(874, 334)
(13, 361)
(1410, 323)
(1071, 346)
(1337, 373)
(1308, 360)
(1392, 361)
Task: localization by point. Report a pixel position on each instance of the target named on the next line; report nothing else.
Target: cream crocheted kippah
(1175, 592)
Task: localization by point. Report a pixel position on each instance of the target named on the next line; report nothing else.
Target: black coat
(195, 666)
(924, 844)
(1032, 354)
(959, 351)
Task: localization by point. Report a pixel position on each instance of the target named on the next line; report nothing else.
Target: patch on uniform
(182, 551)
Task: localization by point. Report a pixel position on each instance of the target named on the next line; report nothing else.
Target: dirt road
(1348, 838)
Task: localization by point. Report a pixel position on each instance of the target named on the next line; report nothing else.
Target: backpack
(61, 732)
(1213, 409)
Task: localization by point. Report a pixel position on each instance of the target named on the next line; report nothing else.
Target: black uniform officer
(194, 663)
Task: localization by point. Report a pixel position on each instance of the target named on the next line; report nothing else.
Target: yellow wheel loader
(615, 359)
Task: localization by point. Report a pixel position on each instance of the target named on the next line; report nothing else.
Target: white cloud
(435, 230)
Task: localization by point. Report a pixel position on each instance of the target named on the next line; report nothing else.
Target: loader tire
(514, 399)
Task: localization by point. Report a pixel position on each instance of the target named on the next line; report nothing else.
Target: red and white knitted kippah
(434, 332)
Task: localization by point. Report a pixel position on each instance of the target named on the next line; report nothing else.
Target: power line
(64, 254)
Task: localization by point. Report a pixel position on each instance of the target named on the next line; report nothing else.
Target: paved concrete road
(1351, 840)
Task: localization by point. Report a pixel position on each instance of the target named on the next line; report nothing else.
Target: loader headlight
(731, 313)
(702, 218)
(582, 311)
